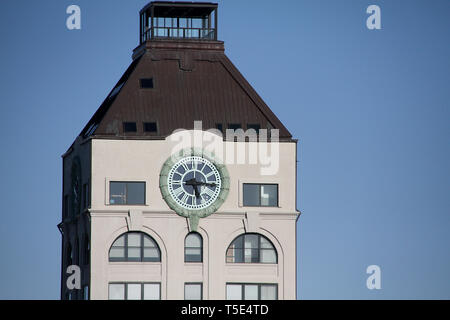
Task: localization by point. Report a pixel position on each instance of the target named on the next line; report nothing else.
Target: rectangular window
(152, 291)
(123, 193)
(150, 127)
(117, 291)
(146, 83)
(134, 291)
(86, 292)
(252, 291)
(260, 195)
(129, 127)
(193, 291)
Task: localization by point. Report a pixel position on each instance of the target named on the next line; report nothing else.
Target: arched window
(135, 246)
(193, 248)
(251, 248)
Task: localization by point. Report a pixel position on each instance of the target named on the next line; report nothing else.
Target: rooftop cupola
(178, 21)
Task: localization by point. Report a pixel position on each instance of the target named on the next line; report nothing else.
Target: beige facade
(109, 160)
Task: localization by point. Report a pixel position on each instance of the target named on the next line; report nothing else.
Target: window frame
(259, 249)
(259, 194)
(148, 123)
(201, 247)
(126, 193)
(127, 123)
(142, 80)
(243, 284)
(125, 288)
(194, 283)
(126, 258)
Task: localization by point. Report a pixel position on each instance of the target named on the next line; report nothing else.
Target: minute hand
(207, 184)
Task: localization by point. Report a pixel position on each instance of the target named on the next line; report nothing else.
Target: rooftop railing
(179, 33)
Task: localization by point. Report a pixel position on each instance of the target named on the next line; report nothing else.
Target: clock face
(194, 183)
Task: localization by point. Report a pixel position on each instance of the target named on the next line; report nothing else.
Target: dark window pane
(251, 194)
(150, 127)
(117, 192)
(219, 127)
(135, 193)
(129, 127)
(269, 195)
(146, 83)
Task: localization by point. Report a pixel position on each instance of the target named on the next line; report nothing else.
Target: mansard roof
(191, 80)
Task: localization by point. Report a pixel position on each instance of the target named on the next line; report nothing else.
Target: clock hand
(197, 194)
(207, 184)
(194, 183)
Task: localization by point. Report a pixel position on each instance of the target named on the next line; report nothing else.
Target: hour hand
(197, 194)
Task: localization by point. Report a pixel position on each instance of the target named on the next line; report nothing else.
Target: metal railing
(179, 33)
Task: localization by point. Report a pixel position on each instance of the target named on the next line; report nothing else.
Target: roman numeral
(178, 191)
(185, 197)
(209, 192)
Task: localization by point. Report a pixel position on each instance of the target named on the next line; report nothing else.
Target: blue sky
(371, 110)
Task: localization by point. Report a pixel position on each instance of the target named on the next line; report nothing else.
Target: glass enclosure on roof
(178, 20)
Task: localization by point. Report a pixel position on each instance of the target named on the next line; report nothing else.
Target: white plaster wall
(141, 160)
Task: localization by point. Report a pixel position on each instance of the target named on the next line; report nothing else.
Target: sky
(370, 109)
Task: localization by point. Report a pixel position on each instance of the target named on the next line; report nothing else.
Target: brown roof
(193, 80)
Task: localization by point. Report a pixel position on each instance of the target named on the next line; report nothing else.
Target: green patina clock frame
(193, 216)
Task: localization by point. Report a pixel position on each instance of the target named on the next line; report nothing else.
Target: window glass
(134, 291)
(86, 293)
(251, 292)
(117, 191)
(120, 241)
(117, 291)
(193, 248)
(117, 253)
(234, 292)
(134, 239)
(152, 291)
(134, 253)
(136, 193)
(251, 194)
(132, 250)
(251, 248)
(268, 292)
(269, 195)
(129, 127)
(150, 127)
(127, 193)
(193, 291)
(151, 254)
(268, 256)
(148, 242)
(193, 240)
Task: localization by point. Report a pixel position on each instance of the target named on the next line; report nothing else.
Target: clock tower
(183, 183)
